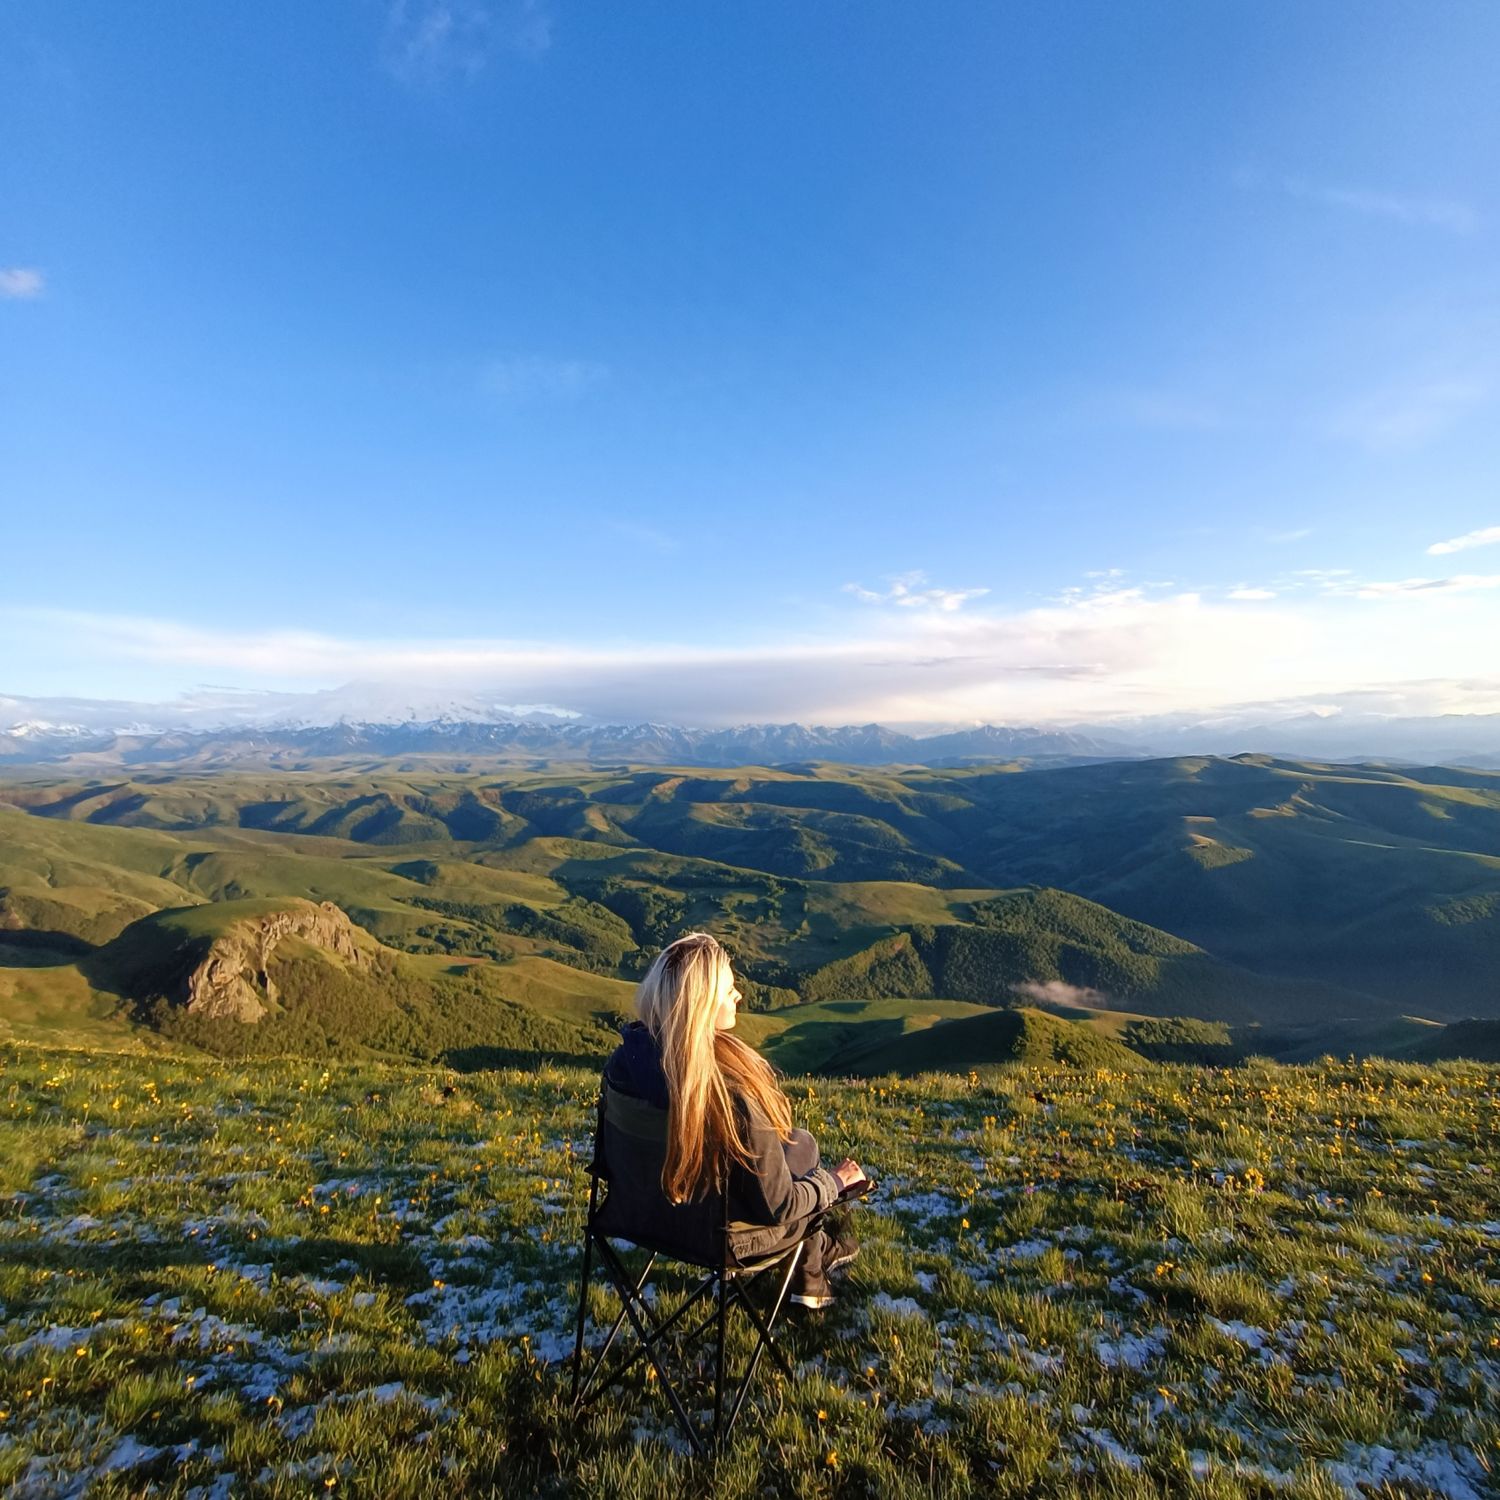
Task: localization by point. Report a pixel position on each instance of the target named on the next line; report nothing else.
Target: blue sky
(726, 361)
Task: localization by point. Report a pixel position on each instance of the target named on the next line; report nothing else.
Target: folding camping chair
(632, 1135)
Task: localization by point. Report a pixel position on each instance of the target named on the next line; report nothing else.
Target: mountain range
(225, 727)
(42, 742)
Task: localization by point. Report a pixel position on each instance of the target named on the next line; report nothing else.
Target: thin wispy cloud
(21, 283)
(1459, 583)
(525, 376)
(1106, 587)
(652, 538)
(1101, 596)
(1486, 536)
(1407, 416)
(910, 591)
(1165, 410)
(1251, 595)
(1421, 211)
(427, 43)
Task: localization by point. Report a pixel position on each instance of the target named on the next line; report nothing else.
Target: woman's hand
(849, 1174)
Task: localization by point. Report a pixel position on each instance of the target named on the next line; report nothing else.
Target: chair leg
(626, 1293)
(723, 1312)
(763, 1327)
(651, 1332)
(648, 1342)
(583, 1301)
(684, 1342)
(623, 1281)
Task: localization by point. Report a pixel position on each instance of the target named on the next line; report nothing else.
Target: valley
(1290, 908)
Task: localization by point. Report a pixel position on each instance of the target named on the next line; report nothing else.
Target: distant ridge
(47, 743)
(224, 726)
(986, 1041)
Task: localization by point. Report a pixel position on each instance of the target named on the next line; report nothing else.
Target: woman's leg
(831, 1246)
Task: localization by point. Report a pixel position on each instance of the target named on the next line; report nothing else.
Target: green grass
(80, 881)
(52, 1002)
(1076, 1282)
(830, 1037)
(991, 1038)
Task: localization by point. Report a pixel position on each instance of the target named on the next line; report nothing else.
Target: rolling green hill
(1363, 877)
(988, 1040)
(1479, 1040)
(1321, 904)
(1034, 944)
(821, 1037)
(285, 976)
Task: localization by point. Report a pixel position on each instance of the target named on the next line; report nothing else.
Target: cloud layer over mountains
(912, 652)
(391, 719)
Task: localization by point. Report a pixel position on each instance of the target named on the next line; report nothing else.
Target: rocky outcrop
(232, 982)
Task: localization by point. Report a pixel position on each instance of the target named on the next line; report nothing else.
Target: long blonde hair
(706, 1069)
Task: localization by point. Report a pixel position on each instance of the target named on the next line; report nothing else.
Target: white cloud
(1252, 594)
(522, 376)
(1060, 992)
(21, 282)
(1484, 537)
(1449, 214)
(1107, 654)
(1458, 583)
(906, 592)
(432, 42)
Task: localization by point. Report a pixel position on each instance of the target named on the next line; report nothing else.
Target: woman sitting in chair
(728, 1129)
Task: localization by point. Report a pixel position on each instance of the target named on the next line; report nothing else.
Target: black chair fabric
(627, 1204)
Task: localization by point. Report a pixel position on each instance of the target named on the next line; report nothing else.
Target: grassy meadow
(283, 1277)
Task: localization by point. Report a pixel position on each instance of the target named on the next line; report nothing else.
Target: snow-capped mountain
(220, 728)
(213, 710)
(226, 726)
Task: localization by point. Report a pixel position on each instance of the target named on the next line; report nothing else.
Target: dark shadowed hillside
(988, 1040)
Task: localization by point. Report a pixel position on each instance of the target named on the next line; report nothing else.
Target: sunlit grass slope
(285, 1278)
(81, 882)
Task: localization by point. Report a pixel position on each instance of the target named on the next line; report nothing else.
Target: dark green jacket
(767, 1207)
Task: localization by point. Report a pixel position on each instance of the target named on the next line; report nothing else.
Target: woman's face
(729, 1001)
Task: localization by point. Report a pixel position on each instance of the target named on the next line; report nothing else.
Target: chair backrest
(630, 1150)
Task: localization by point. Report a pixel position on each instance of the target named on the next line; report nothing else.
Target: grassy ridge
(826, 1037)
(992, 1038)
(287, 1278)
(1329, 902)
